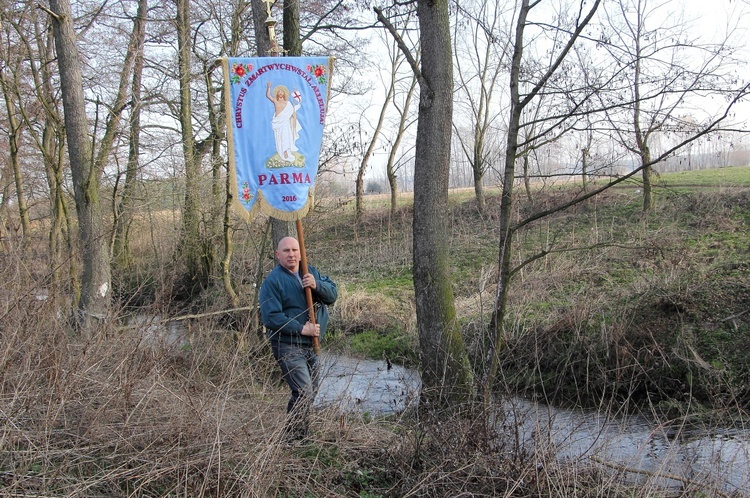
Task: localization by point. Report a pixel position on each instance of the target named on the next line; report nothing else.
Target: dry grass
(118, 413)
(115, 413)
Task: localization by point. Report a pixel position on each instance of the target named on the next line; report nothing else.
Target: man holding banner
(284, 312)
(272, 168)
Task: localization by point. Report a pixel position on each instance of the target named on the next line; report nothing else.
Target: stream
(366, 386)
(719, 458)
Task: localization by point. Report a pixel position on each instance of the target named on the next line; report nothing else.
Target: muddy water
(642, 452)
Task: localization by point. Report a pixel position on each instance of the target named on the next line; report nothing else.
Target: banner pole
(270, 26)
(303, 272)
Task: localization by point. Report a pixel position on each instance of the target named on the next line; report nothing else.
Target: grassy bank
(648, 312)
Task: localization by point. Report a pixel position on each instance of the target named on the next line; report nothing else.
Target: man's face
(288, 253)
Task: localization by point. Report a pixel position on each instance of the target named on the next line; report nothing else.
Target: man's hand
(311, 329)
(309, 281)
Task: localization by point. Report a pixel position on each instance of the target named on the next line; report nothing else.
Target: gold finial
(268, 6)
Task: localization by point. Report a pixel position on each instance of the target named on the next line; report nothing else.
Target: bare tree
(125, 205)
(395, 59)
(392, 165)
(519, 101)
(446, 373)
(661, 68)
(190, 250)
(481, 50)
(95, 282)
(232, 48)
(88, 162)
(44, 123)
(529, 81)
(9, 82)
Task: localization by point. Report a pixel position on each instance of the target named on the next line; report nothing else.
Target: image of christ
(285, 125)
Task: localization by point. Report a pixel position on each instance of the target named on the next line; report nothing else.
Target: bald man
(283, 310)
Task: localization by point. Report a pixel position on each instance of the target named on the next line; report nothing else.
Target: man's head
(288, 253)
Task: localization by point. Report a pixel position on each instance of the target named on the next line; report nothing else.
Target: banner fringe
(262, 205)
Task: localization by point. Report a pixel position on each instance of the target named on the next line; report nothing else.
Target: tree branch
(545, 252)
(661, 157)
(49, 12)
(401, 45)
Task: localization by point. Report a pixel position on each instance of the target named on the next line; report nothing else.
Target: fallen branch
(186, 317)
(203, 315)
(736, 315)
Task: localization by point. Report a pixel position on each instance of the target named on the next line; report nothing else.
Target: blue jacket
(283, 307)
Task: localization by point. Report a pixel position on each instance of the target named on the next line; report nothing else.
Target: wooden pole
(270, 26)
(303, 272)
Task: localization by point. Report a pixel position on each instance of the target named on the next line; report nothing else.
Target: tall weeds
(117, 412)
(128, 410)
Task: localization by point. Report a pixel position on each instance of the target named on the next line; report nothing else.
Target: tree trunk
(447, 376)
(190, 248)
(14, 132)
(4, 242)
(477, 162)
(215, 222)
(491, 346)
(527, 178)
(479, 187)
(641, 135)
(238, 15)
(391, 165)
(94, 301)
(126, 205)
(585, 168)
(52, 145)
(648, 195)
(262, 39)
(221, 229)
(292, 40)
(359, 190)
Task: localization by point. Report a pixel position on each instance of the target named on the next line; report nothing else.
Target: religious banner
(276, 110)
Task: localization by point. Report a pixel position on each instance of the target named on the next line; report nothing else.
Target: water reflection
(366, 386)
(641, 452)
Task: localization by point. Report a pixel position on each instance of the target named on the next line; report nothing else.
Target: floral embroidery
(319, 71)
(246, 195)
(239, 71)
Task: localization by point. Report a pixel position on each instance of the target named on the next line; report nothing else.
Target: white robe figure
(286, 127)
(286, 130)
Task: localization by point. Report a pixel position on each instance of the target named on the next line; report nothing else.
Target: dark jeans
(299, 368)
